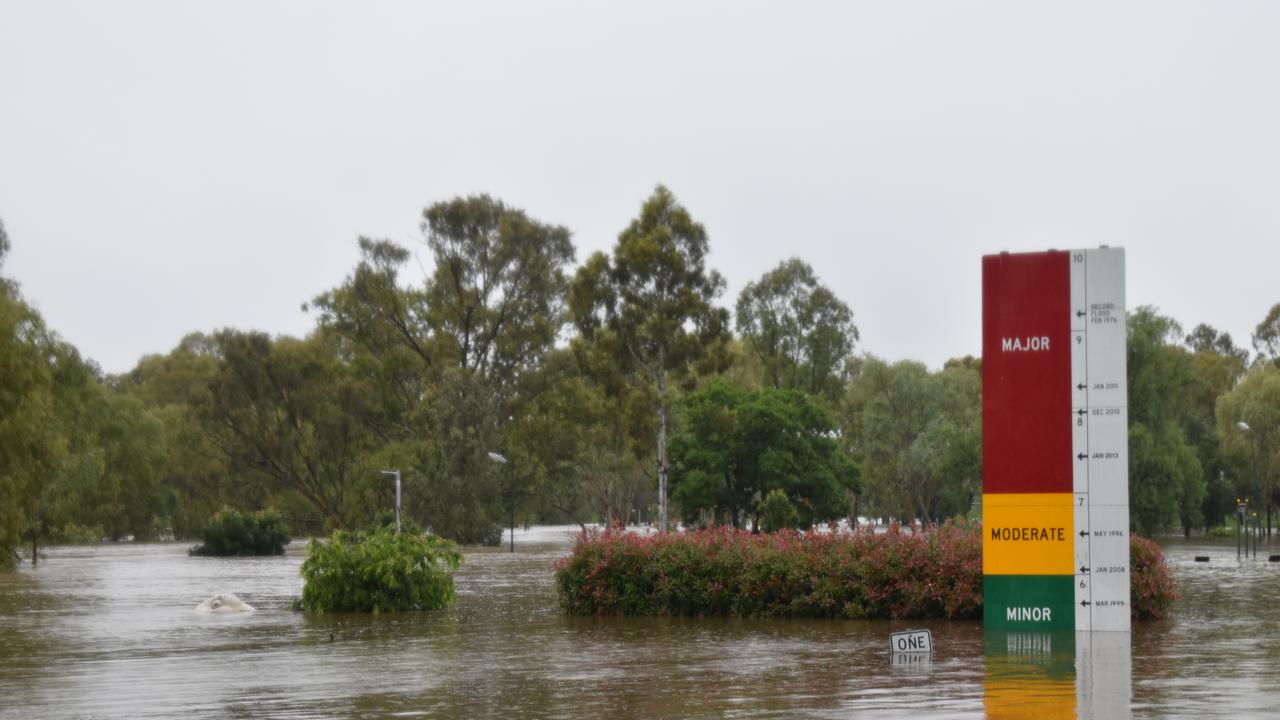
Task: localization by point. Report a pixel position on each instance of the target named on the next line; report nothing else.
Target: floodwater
(110, 632)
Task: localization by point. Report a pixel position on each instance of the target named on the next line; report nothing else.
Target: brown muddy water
(110, 632)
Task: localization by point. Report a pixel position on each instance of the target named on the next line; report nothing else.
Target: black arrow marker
(1084, 533)
(1081, 386)
(1081, 456)
(1079, 313)
(1081, 411)
(1084, 569)
(1085, 603)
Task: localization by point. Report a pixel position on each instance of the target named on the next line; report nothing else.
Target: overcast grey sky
(169, 167)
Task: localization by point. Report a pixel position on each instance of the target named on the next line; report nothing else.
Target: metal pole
(396, 473)
(511, 493)
(1257, 478)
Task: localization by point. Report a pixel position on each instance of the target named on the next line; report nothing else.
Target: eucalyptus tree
(917, 434)
(1204, 338)
(799, 329)
(1266, 337)
(496, 295)
(288, 411)
(650, 307)
(475, 328)
(492, 305)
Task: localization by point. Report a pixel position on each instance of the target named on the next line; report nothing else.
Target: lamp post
(396, 473)
(511, 494)
(1257, 482)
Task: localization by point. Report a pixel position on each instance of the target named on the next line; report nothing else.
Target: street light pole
(511, 494)
(1257, 480)
(396, 473)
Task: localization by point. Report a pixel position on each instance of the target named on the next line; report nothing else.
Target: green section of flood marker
(1028, 602)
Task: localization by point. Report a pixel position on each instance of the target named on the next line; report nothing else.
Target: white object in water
(224, 604)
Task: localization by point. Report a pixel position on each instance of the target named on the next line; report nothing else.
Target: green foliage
(1166, 479)
(777, 512)
(378, 572)
(497, 292)
(1151, 587)
(935, 572)
(1253, 455)
(194, 473)
(918, 436)
(462, 500)
(800, 330)
(579, 452)
(443, 363)
(1205, 338)
(290, 413)
(737, 446)
(30, 447)
(649, 308)
(1266, 337)
(655, 293)
(233, 533)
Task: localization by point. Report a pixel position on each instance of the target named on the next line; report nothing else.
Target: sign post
(1055, 504)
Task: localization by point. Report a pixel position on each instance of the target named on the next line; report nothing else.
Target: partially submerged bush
(381, 571)
(931, 573)
(777, 512)
(231, 533)
(1151, 587)
(722, 571)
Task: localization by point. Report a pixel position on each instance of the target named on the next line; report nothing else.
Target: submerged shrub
(901, 574)
(231, 533)
(1151, 587)
(722, 571)
(381, 571)
(777, 512)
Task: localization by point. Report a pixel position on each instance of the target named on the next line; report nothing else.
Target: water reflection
(109, 632)
(1057, 675)
(1029, 675)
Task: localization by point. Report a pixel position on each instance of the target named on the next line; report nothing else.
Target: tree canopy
(801, 331)
(737, 446)
(650, 306)
(598, 384)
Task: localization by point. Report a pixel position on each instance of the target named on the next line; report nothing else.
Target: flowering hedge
(1151, 587)
(900, 574)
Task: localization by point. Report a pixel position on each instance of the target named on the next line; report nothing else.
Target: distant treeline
(596, 382)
